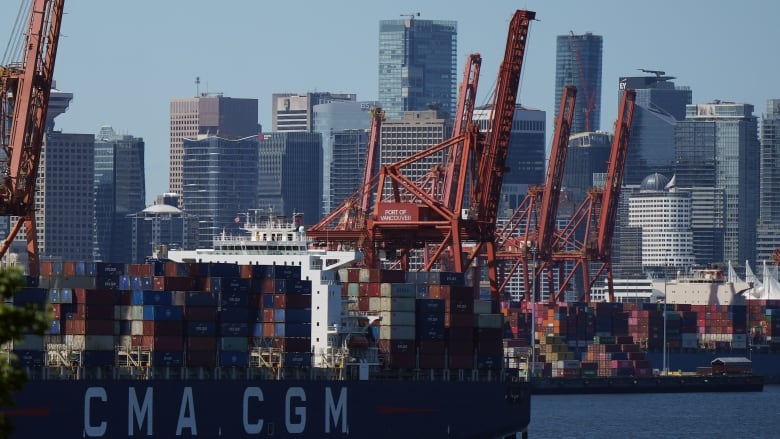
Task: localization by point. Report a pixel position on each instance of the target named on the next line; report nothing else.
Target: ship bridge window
(289, 237)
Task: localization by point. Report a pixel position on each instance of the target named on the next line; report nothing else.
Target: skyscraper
(526, 157)
(578, 63)
(768, 230)
(588, 154)
(216, 115)
(347, 164)
(119, 191)
(416, 131)
(417, 68)
(290, 179)
(331, 120)
(295, 112)
(717, 147)
(659, 105)
(219, 182)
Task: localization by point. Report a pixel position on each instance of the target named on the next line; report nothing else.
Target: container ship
(263, 336)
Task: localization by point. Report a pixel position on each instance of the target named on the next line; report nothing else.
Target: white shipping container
(483, 306)
(125, 340)
(137, 327)
(391, 318)
(396, 332)
(406, 304)
(489, 320)
(375, 304)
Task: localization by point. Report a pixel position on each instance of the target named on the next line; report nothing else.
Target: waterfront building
(290, 174)
(663, 214)
(119, 191)
(417, 66)
(717, 147)
(768, 229)
(659, 105)
(207, 114)
(219, 182)
(578, 61)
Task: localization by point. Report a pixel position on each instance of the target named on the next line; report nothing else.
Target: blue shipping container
(231, 315)
(151, 297)
(297, 359)
(28, 296)
(200, 298)
(163, 312)
(201, 328)
(227, 359)
(235, 299)
(167, 358)
(234, 329)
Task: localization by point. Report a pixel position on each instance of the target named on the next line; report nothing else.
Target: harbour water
(671, 415)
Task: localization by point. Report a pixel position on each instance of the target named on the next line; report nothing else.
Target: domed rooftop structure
(161, 209)
(654, 183)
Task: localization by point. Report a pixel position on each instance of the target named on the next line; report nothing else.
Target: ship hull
(286, 408)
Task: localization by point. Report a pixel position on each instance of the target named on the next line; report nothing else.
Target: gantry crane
(24, 101)
(596, 216)
(529, 233)
(427, 216)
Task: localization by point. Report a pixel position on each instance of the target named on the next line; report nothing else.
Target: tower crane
(24, 101)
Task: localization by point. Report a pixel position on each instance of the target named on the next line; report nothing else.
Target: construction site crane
(532, 226)
(595, 218)
(590, 95)
(409, 215)
(24, 100)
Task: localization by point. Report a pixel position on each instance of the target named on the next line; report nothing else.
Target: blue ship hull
(286, 408)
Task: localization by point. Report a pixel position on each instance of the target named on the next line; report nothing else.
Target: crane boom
(492, 163)
(30, 86)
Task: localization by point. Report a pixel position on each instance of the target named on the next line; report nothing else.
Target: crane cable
(13, 48)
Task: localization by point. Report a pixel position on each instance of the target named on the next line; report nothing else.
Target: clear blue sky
(125, 60)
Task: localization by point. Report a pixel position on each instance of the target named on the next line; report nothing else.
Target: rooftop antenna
(657, 73)
(197, 86)
(411, 16)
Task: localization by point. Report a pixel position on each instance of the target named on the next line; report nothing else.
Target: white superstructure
(277, 241)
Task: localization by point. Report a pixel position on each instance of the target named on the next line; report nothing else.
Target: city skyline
(126, 78)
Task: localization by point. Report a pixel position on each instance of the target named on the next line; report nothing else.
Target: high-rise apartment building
(578, 62)
(663, 215)
(717, 147)
(417, 68)
(119, 191)
(295, 112)
(768, 230)
(215, 115)
(290, 179)
(659, 105)
(161, 226)
(219, 182)
(332, 120)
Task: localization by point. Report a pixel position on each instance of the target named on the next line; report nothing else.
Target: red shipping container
(458, 320)
(432, 347)
(91, 327)
(353, 275)
(94, 297)
(400, 361)
(362, 289)
(268, 315)
(458, 333)
(460, 347)
(69, 268)
(388, 346)
(201, 343)
(292, 344)
(374, 290)
(163, 327)
(494, 347)
(201, 358)
(47, 268)
(461, 361)
(363, 304)
(292, 301)
(269, 329)
(200, 313)
(90, 312)
(269, 285)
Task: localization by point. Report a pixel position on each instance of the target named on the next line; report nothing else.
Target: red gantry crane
(24, 99)
(597, 215)
(408, 215)
(532, 228)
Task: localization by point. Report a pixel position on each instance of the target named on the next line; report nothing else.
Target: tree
(15, 322)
